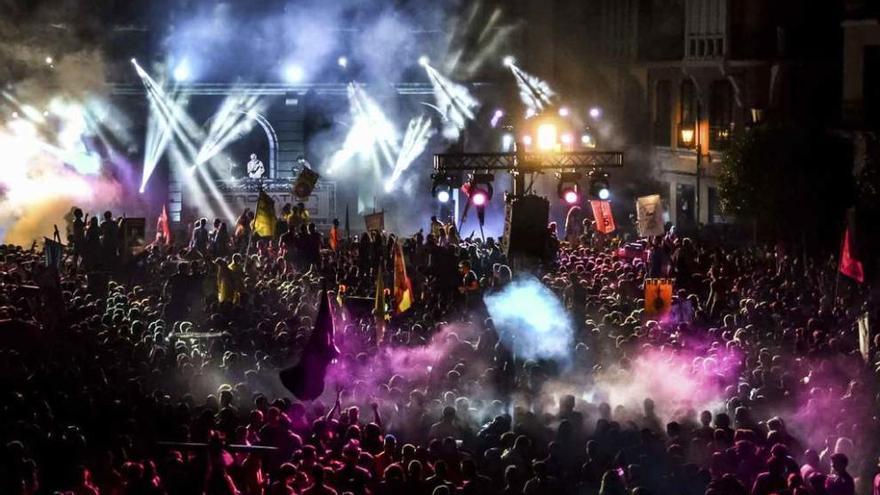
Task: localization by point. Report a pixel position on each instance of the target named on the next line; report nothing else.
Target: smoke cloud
(531, 319)
(52, 112)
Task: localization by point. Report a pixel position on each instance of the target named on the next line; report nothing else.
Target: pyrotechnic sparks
(415, 140)
(371, 137)
(172, 125)
(534, 92)
(454, 101)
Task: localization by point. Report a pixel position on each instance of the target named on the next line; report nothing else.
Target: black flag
(306, 379)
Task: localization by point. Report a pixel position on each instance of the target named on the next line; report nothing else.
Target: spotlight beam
(415, 141)
(371, 137)
(174, 121)
(232, 119)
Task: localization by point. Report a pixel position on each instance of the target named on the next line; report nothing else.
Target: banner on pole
(658, 297)
(650, 215)
(305, 183)
(375, 221)
(603, 216)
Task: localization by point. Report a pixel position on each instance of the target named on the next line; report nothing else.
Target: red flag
(602, 215)
(849, 265)
(163, 228)
(402, 285)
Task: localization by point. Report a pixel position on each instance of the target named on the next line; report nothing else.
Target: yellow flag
(264, 220)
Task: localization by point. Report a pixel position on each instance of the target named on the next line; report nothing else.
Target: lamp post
(692, 135)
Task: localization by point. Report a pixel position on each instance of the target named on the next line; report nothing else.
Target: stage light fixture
(507, 142)
(588, 140)
(49, 60)
(568, 188)
(342, 62)
(441, 191)
(509, 61)
(496, 117)
(547, 137)
(564, 112)
(182, 71)
(595, 112)
(479, 189)
(600, 186)
(566, 139)
(294, 74)
(424, 60)
(442, 185)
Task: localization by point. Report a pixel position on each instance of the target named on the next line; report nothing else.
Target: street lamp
(687, 136)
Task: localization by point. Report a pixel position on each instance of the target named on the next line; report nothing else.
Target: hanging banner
(375, 221)
(603, 216)
(305, 183)
(650, 214)
(865, 338)
(658, 297)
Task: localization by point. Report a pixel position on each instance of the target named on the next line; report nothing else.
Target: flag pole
(347, 225)
(247, 251)
(837, 268)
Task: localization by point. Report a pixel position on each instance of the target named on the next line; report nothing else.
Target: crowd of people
(157, 372)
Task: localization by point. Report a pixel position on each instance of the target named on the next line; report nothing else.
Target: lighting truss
(528, 162)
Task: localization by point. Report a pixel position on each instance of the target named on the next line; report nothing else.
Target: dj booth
(239, 194)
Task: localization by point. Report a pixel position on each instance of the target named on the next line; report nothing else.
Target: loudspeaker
(525, 227)
(134, 232)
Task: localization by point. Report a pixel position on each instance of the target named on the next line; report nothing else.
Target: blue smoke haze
(531, 319)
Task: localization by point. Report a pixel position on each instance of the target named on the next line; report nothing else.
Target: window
(663, 113)
(720, 114)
